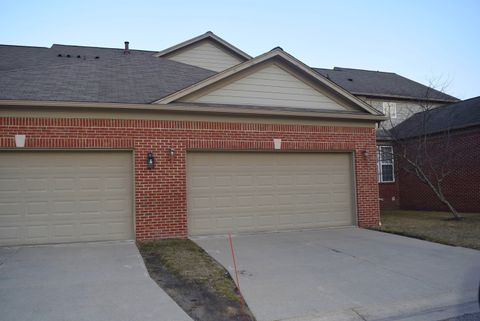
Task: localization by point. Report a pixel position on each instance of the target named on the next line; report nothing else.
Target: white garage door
(54, 197)
(247, 192)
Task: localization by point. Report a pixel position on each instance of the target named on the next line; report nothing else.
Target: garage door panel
(86, 207)
(37, 209)
(37, 232)
(91, 229)
(54, 197)
(115, 183)
(93, 184)
(10, 233)
(242, 192)
(9, 184)
(10, 209)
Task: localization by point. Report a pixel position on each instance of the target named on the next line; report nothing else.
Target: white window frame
(390, 109)
(385, 162)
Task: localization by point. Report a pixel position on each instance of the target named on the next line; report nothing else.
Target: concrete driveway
(90, 281)
(350, 274)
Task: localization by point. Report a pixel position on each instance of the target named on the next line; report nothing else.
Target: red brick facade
(389, 195)
(160, 193)
(462, 187)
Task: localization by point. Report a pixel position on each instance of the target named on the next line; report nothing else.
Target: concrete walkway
(350, 274)
(89, 281)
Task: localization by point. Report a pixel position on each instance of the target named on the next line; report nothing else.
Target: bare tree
(417, 149)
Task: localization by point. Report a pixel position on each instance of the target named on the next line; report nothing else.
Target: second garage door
(248, 192)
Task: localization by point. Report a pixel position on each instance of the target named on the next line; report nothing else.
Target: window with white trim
(385, 164)
(390, 109)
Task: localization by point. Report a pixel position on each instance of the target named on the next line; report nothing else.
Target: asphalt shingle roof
(73, 73)
(450, 117)
(382, 84)
(35, 73)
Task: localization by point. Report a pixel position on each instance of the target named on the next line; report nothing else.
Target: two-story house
(398, 98)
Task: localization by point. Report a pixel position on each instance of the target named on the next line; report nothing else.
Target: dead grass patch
(198, 283)
(434, 227)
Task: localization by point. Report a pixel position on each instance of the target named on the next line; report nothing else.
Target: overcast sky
(419, 39)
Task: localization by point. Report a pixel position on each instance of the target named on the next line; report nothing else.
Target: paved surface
(90, 281)
(466, 317)
(350, 274)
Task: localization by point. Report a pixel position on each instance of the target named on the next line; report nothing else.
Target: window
(390, 109)
(385, 164)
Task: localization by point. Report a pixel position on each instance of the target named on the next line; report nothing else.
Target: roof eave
(197, 108)
(375, 95)
(441, 131)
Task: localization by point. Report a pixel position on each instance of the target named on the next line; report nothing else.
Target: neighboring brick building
(103, 144)
(453, 133)
(398, 98)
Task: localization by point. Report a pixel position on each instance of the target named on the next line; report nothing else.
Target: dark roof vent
(59, 55)
(97, 57)
(126, 51)
(78, 56)
(350, 79)
(68, 56)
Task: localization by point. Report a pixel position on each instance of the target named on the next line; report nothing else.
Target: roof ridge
(336, 68)
(96, 47)
(22, 46)
(456, 103)
(461, 101)
(440, 108)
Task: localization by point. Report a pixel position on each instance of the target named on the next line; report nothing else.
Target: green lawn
(434, 226)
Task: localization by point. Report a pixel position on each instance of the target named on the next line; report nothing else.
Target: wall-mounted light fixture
(365, 153)
(150, 160)
(171, 151)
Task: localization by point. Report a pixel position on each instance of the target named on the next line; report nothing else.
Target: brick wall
(389, 195)
(160, 193)
(462, 187)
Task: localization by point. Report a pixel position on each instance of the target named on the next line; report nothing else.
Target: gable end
(205, 54)
(271, 84)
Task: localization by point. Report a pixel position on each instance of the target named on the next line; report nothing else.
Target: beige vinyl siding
(250, 192)
(269, 86)
(56, 197)
(404, 109)
(206, 55)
